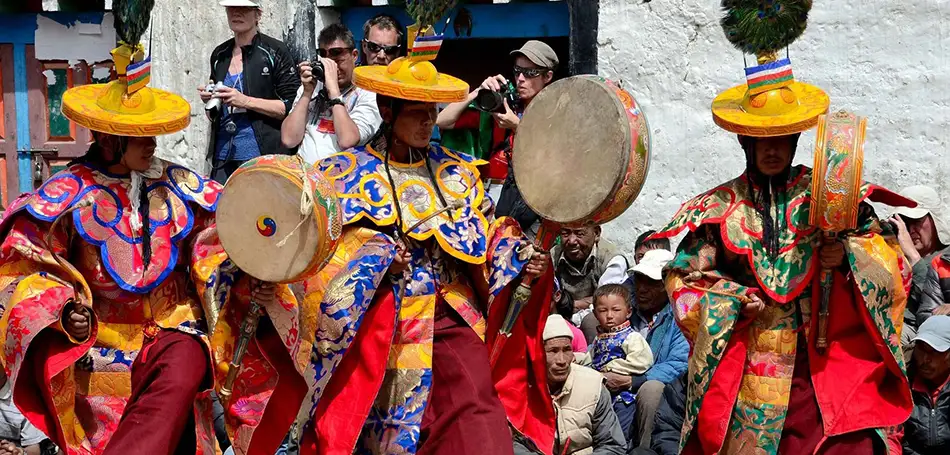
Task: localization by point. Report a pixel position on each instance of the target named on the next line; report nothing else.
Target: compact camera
(213, 106)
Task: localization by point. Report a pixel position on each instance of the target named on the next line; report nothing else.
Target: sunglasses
(529, 73)
(334, 52)
(376, 48)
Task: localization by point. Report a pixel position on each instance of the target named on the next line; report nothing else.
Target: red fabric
(941, 266)
(497, 167)
(712, 424)
(520, 373)
(49, 354)
(160, 416)
(885, 196)
(291, 388)
(463, 406)
(349, 396)
(803, 432)
(858, 384)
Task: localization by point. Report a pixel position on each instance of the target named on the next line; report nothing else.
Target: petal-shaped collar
(106, 222)
(362, 183)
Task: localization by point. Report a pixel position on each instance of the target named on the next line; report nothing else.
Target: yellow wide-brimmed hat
(770, 103)
(127, 106)
(414, 77)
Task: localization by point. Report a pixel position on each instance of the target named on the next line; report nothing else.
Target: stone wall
(882, 59)
(190, 30)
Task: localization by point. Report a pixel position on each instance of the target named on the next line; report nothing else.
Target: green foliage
(763, 26)
(131, 19)
(427, 12)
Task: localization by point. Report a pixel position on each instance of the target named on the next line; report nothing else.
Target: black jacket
(934, 285)
(668, 423)
(269, 73)
(927, 431)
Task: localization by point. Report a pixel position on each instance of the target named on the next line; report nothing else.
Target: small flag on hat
(139, 74)
(425, 47)
(769, 76)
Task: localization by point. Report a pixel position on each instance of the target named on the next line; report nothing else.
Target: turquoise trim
(24, 158)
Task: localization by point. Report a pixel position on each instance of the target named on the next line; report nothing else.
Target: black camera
(494, 102)
(316, 68)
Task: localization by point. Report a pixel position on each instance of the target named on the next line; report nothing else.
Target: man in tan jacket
(586, 423)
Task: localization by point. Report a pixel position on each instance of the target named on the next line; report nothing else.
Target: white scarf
(154, 171)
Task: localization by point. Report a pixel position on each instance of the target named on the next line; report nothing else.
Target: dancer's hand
(752, 309)
(538, 264)
(831, 255)
(76, 322)
(263, 292)
(401, 260)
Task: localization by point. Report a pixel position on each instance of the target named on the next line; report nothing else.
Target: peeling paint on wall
(100, 73)
(74, 41)
(50, 77)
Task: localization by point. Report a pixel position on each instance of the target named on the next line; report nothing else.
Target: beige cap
(556, 327)
(539, 53)
(928, 203)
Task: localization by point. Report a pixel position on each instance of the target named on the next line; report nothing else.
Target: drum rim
(618, 180)
(323, 241)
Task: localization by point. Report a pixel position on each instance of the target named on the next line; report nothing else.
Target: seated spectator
(922, 232)
(586, 423)
(641, 246)
(927, 432)
(644, 244)
(668, 425)
(563, 304)
(618, 352)
(337, 114)
(17, 435)
(581, 261)
(653, 318)
(382, 40)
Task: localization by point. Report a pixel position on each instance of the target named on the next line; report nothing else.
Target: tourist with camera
(339, 115)
(253, 81)
(505, 101)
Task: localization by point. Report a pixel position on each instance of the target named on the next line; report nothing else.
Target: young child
(618, 348)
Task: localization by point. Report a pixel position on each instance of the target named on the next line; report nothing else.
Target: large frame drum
(836, 177)
(582, 151)
(835, 192)
(261, 225)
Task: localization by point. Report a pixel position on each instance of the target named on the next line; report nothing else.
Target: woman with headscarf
(745, 292)
(119, 303)
(418, 281)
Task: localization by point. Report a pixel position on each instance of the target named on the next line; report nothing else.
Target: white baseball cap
(556, 327)
(935, 331)
(653, 262)
(248, 3)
